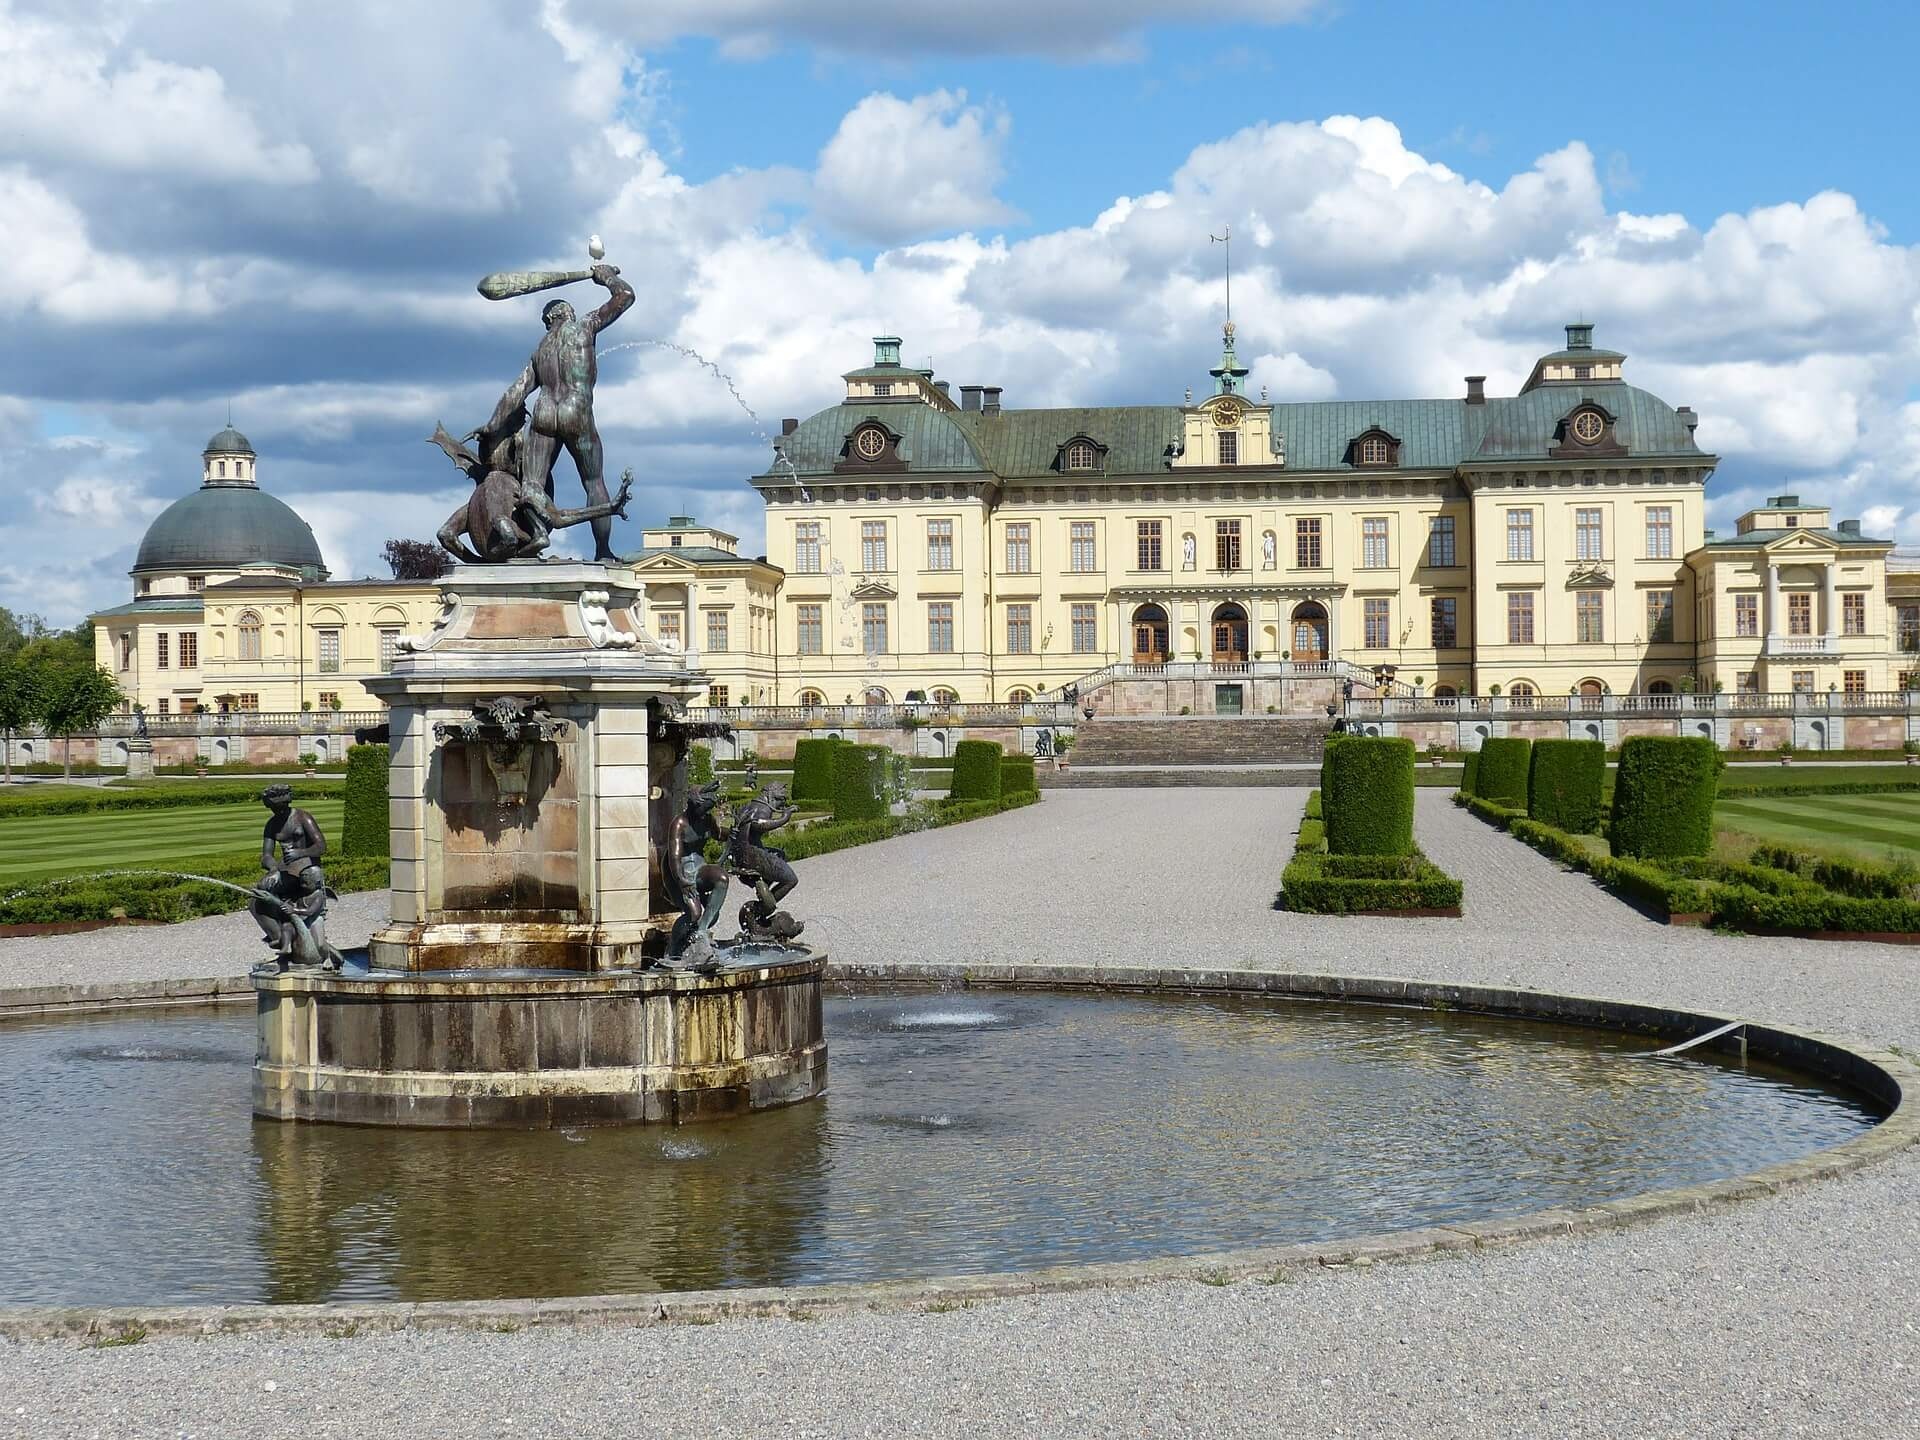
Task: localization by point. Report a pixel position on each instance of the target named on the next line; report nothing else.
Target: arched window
(249, 624)
(810, 698)
(1020, 695)
(1081, 455)
(1444, 692)
(1522, 693)
(944, 696)
(1373, 451)
(1660, 687)
(875, 696)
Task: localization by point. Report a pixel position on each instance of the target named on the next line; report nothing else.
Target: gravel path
(1791, 1316)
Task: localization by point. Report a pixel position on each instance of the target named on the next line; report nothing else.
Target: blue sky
(286, 207)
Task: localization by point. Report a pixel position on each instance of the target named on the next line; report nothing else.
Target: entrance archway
(1310, 631)
(1229, 634)
(1152, 636)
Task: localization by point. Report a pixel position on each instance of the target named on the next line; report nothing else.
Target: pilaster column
(687, 643)
(1830, 604)
(1773, 603)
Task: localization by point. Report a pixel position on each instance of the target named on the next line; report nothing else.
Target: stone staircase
(1222, 750)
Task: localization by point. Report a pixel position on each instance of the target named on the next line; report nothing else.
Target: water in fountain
(759, 427)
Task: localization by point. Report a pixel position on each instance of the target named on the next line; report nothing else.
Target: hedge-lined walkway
(1785, 1316)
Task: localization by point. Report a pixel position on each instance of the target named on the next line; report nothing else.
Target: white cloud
(52, 265)
(900, 169)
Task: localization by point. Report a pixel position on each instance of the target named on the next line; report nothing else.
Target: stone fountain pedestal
(534, 761)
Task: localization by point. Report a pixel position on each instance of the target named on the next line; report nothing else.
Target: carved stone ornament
(599, 625)
(414, 644)
(507, 719)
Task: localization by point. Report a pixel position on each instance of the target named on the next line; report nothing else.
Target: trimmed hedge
(859, 782)
(1470, 773)
(1369, 802)
(1334, 737)
(165, 897)
(1564, 781)
(1502, 772)
(1812, 787)
(813, 769)
(1320, 883)
(823, 837)
(976, 770)
(1663, 796)
(64, 801)
(1016, 775)
(699, 765)
(364, 829)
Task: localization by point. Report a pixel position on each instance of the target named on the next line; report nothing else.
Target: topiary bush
(1564, 781)
(859, 782)
(976, 770)
(813, 770)
(1663, 796)
(1469, 772)
(1502, 773)
(1369, 802)
(1016, 775)
(364, 830)
(700, 764)
(1334, 737)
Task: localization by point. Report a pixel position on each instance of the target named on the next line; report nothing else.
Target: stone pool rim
(1874, 1071)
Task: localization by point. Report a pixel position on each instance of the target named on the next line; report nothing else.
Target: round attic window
(1588, 426)
(870, 442)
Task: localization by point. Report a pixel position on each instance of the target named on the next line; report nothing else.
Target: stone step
(1163, 777)
(1268, 739)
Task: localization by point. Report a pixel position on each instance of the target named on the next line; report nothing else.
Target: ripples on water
(962, 1133)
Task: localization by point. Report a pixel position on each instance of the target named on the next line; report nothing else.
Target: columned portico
(1245, 610)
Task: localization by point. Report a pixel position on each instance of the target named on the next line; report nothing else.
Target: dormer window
(1081, 455)
(1587, 432)
(1588, 426)
(870, 442)
(1374, 450)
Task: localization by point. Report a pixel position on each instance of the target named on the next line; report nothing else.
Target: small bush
(1564, 781)
(1016, 774)
(859, 782)
(823, 837)
(1317, 882)
(364, 829)
(813, 770)
(1502, 772)
(1369, 803)
(976, 770)
(1469, 772)
(1663, 796)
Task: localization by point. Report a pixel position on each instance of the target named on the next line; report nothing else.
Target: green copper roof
(155, 605)
(930, 441)
(693, 555)
(1433, 434)
(228, 442)
(1753, 538)
(1521, 427)
(1019, 444)
(226, 527)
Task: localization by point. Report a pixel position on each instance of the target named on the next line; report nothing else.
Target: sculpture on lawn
(290, 902)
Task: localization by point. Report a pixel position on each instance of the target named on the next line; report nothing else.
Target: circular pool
(963, 1132)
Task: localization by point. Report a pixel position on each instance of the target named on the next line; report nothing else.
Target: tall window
(164, 707)
(1519, 534)
(1747, 682)
(1229, 447)
(717, 631)
(1586, 535)
(1799, 613)
(1373, 543)
(718, 697)
(1020, 548)
(389, 647)
(1854, 682)
(1080, 547)
(812, 634)
(1147, 546)
(873, 545)
(670, 632)
(249, 635)
(1853, 613)
(1081, 455)
(162, 647)
(1907, 618)
(247, 700)
(873, 628)
(1085, 630)
(329, 649)
(1440, 541)
(1589, 617)
(1019, 629)
(1659, 532)
(806, 548)
(1446, 622)
(1803, 682)
(1520, 617)
(940, 627)
(1379, 624)
(189, 649)
(1659, 616)
(1746, 615)
(1226, 544)
(126, 651)
(1306, 544)
(940, 544)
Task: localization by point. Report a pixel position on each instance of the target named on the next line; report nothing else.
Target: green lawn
(1879, 827)
(34, 847)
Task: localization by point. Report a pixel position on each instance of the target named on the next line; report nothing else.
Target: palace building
(922, 547)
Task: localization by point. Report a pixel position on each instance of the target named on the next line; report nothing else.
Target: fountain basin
(537, 1049)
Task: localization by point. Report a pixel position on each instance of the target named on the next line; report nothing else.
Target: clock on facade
(870, 443)
(1226, 416)
(1587, 426)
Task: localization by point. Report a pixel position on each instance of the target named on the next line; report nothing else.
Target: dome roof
(228, 442)
(228, 527)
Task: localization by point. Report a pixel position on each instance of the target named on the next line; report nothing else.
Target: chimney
(990, 399)
(943, 387)
(789, 425)
(1476, 389)
(1850, 527)
(1687, 418)
(969, 397)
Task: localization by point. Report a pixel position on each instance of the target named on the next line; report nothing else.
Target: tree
(77, 697)
(20, 703)
(417, 560)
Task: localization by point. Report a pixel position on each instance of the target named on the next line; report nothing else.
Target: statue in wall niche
(767, 869)
(697, 886)
(290, 902)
